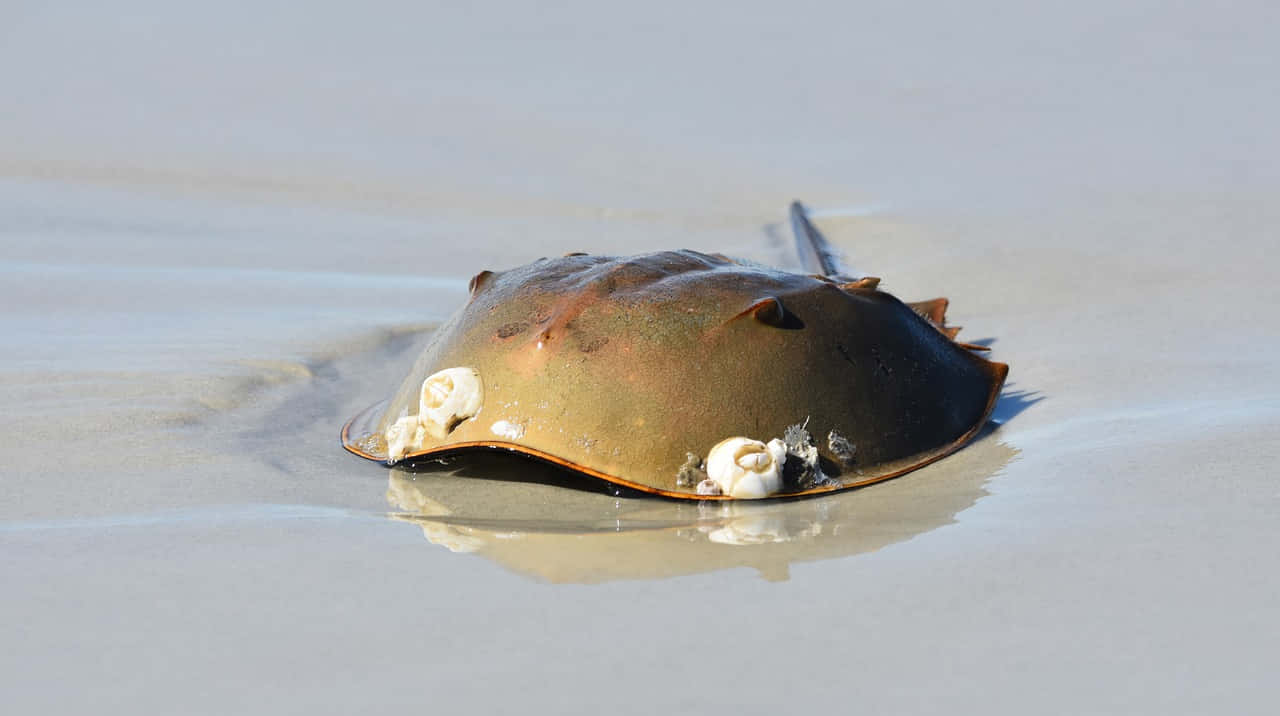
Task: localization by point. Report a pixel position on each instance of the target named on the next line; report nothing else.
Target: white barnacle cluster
(507, 429)
(745, 468)
(446, 399)
(403, 436)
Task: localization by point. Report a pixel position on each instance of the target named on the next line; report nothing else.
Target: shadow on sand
(1012, 402)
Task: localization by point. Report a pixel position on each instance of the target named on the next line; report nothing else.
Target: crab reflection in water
(556, 526)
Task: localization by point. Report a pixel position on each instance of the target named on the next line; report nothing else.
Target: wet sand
(225, 233)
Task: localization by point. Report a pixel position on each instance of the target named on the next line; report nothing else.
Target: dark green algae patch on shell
(634, 369)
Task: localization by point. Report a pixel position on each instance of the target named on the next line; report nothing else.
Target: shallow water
(225, 231)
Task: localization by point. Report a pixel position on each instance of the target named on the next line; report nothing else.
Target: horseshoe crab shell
(639, 369)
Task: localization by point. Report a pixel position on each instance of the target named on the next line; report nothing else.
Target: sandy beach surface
(226, 229)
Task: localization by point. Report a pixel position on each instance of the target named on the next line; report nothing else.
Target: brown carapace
(636, 369)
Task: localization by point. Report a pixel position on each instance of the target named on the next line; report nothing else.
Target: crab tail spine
(817, 255)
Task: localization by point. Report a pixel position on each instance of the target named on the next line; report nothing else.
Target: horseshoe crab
(692, 375)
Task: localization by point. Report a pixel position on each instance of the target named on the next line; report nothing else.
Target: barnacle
(507, 429)
(746, 468)
(449, 397)
(403, 437)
